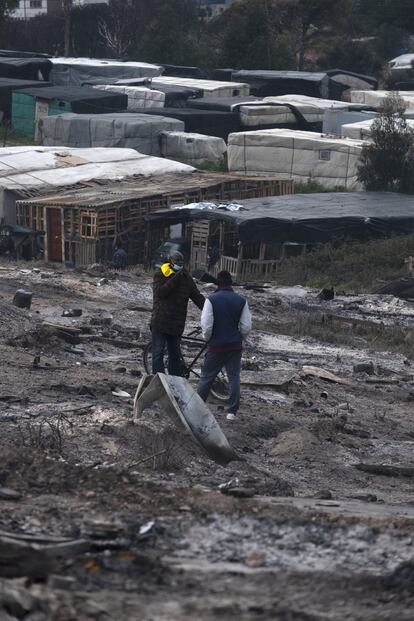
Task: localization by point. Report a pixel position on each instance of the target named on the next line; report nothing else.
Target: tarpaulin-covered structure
(25, 68)
(193, 149)
(33, 104)
(208, 122)
(8, 85)
(309, 218)
(176, 96)
(362, 129)
(133, 131)
(301, 155)
(253, 236)
(138, 96)
(76, 71)
(375, 99)
(332, 84)
(209, 88)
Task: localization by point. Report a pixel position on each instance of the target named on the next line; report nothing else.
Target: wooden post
(239, 260)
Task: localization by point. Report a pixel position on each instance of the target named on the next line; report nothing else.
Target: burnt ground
(116, 519)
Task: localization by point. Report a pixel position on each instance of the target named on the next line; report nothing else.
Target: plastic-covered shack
(138, 96)
(332, 162)
(332, 84)
(208, 122)
(33, 104)
(194, 149)
(36, 69)
(32, 170)
(335, 118)
(294, 111)
(401, 66)
(375, 99)
(134, 131)
(209, 88)
(362, 130)
(7, 86)
(76, 71)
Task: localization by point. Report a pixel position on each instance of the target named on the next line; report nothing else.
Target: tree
(387, 163)
(67, 6)
(6, 6)
(308, 20)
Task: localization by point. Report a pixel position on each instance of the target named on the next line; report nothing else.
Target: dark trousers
(159, 341)
(214, 362)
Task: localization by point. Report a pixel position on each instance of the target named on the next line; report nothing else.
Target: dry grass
(356, 267)
(372, 337)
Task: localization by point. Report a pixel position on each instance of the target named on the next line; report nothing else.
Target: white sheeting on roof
(362, 129)
(302, 155)
(375, 99)
(138, 96)
(40, 167)
(193, 148)
(401, 63)
(312, 108)
(211, 88)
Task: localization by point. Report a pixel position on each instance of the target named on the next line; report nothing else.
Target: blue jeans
(159, 341)
(213, 363)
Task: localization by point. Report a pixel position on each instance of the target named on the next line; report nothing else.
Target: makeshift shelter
(401, 66)
(83, 226)
(33, 104)
(176, 96)
(375, 99)
(335, 118)
(134, 131)
(293, 111)
(76, 71)
(194, 149)
(36, 69)
(362, 130)
(138, 96)
(209, 88)
(7, 86)
(184, 72)
(208, 122)
(271, 83)
(332, 162)
(223, 104)
(30, 171)
(255, 236)
(350, 81)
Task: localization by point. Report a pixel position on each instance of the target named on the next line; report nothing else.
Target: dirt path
(317, 536)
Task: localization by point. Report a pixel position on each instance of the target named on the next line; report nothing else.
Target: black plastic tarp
(348, 77)
(21, 54)
(207, 122)
(7, 86)
(184, 72)
(272, 83)
(222, 104)
(25, 68)
(83, 100)
(176, 96)
(309, 218)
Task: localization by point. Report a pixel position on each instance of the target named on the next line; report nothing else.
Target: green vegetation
(10, 138)
(387, 163)
(355, 267)
(311, 187)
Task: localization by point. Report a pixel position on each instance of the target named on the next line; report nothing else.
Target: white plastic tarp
(76, 71)
(375, 99)
(192, 148)
(332, 162)
(362, 130)
(401, 64)
(312, 108)
(210, 88)
(134, 131)
(138, 96)
(23, 168)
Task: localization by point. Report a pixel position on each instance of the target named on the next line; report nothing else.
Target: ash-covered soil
(104, 517)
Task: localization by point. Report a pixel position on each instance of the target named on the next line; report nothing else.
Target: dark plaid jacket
(171, 295)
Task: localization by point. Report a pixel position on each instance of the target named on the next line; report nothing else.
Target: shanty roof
(103, 194)
(308, 218)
